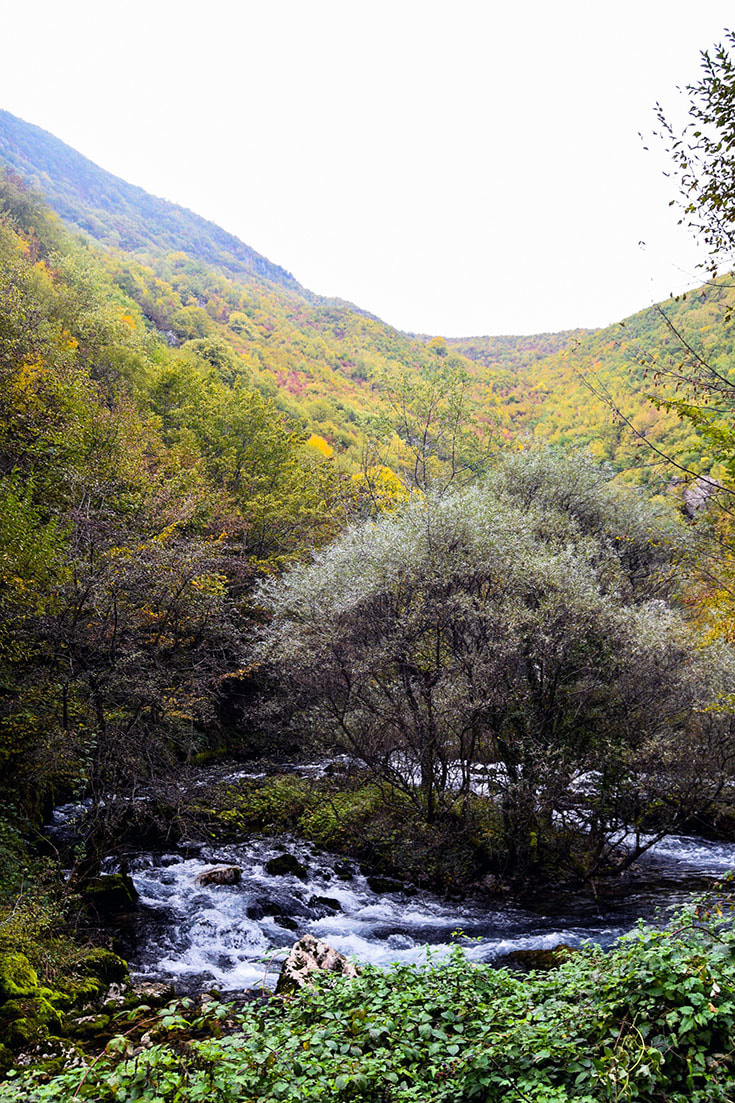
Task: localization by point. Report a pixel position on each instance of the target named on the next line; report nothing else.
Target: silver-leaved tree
(527, 626)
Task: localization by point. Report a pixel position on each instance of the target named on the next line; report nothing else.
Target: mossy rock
(540, 960)
(86, 1026)
(110, 894)
(104, 965)
(78, 991)
(26, 1021)
(6, 1059)
(17, 977)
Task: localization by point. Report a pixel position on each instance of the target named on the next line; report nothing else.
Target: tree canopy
(526, 624)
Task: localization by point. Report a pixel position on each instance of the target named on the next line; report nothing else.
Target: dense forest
(242, 522)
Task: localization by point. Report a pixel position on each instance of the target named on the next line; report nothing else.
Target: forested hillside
(343, 373)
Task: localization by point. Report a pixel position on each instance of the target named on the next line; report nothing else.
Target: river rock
(540, 960)
(284, 864)
(286, 922)
(220, 875)
(325, 902)
(288, 907)
(385, 884)
(307, 957)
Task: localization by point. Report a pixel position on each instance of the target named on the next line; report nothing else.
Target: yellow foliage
(321, 445)
(211, 583)
(383, 486)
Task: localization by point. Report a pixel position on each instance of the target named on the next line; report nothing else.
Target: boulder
(308, 957)
(286, 922)
(284, 864)
(17, 978)
(320, 903)
(384, 884)
(288, 907)
(344, 871)
(110, 894)
(220, 875)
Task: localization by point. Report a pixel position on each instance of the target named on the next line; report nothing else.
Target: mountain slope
(121, 214)
(335, 368)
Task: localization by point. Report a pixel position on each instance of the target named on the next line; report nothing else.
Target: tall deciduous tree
(523, 623)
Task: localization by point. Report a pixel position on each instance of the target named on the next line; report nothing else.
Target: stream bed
(233, 937)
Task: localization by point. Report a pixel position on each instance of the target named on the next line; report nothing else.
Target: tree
(524, 624)
(430, 436)
(703, 153)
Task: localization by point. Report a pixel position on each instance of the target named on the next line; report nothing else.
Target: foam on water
(232, 936)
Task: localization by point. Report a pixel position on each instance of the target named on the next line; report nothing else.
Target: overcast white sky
(454, 167)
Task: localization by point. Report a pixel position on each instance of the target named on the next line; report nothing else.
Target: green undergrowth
(53, 980)
(370, 822)
(652, 1020)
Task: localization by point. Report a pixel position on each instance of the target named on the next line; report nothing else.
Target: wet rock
(344, 871)
(17, 978)
(540, 960)
(385, 884)
(286, 922)
(283, 864)
(220, 875)
(308, 957)
(287, 907)
(166, 860)
(154, 993)
(328, 902)
(110, 894)
(188, 849)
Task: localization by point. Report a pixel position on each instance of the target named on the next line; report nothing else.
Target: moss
(104, 965)
(110, 894)
(6, 1059)
(17, 977)
(86, 1026)
(24, 1022)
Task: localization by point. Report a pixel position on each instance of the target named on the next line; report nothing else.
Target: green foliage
(651, 1020)
(142, 490)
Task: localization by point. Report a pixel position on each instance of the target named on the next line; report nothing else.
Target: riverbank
(651, 1020)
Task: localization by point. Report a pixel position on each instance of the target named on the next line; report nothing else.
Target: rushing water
(233, 937)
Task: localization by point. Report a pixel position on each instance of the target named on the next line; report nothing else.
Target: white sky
(454, 167)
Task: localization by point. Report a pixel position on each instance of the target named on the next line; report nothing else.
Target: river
(232, 937)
